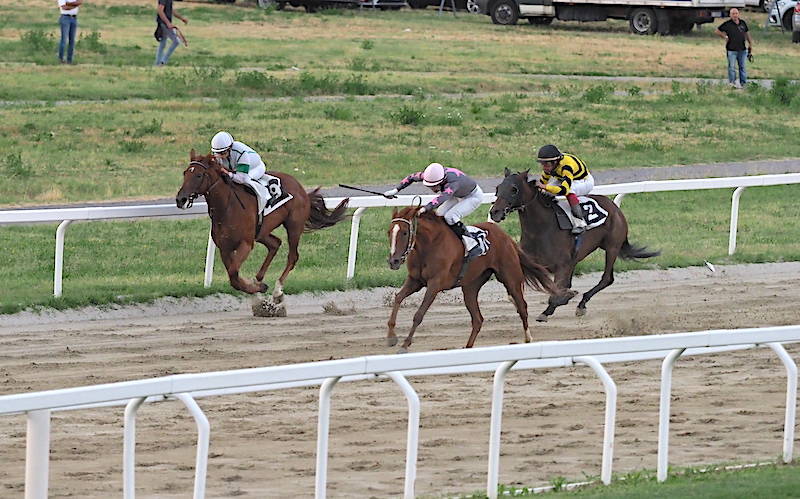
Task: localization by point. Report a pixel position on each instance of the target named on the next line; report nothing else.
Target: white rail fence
(594, 353)
(69, 215)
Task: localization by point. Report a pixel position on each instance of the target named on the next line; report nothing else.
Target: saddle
(593, 213)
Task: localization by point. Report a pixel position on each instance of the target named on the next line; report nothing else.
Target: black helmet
(549, 153)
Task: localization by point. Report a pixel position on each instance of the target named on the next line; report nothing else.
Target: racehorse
(234, 221)
(558, 250)
(433, 255)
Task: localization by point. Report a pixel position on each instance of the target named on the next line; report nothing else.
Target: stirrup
(579, 229)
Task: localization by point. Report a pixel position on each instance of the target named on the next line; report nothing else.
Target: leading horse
(558, 250)
(434, 254)
(235, 223)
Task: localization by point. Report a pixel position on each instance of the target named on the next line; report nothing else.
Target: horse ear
(507, 172)
(192, 154)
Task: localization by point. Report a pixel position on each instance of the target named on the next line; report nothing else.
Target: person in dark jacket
(735, 33)
(166, 31)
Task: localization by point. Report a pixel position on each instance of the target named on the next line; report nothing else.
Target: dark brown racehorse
(433, 255)
(233, 208)
(556, 249)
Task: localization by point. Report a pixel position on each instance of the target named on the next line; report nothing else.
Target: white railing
(500, 359)
(67, 216)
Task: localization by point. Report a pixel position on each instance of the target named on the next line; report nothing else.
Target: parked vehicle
(645, 17)
(468, 5)
(781, 13)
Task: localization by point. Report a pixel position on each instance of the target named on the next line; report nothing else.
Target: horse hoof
(580, 312)
(267, 308)
(541, 318)
(391, 341)
(402, 350)
(277, 298)
(262, 287)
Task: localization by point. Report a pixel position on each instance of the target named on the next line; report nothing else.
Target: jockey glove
(240, 178)
(390, 193)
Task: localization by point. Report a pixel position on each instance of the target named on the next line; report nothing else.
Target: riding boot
(459, 229)
(580, 221)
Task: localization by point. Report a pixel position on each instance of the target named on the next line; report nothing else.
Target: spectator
(69, 27)
(165, 30)
(735, 32)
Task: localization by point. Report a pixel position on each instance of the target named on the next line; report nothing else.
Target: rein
(412, 237)
(211, 188)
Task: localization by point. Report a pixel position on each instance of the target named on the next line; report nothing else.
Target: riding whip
(366, 190)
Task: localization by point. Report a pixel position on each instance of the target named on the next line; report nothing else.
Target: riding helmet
(549, 153)
(433, 175)
(221, 142)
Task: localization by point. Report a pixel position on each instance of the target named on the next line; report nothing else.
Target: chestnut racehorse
(558, 250)
(234, 222)
(433, 255)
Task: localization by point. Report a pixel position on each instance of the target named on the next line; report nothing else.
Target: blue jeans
(734, 57)
(162, 56)
(69, 26)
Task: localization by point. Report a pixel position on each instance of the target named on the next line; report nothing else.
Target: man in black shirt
(735, 32)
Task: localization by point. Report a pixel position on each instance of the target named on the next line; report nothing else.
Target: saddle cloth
(595, 215)
(269, 192)
(477, 236)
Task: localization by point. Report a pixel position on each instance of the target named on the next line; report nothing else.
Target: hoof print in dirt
(266, 307)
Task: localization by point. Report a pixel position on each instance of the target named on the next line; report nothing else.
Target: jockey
(565, 175)
(240, 161)
(459, 195)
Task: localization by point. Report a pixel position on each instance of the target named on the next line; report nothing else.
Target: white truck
(646, 17)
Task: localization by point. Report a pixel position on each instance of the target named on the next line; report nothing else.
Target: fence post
(663, 413)
(737, 193)
(57, 277)
(351, 255)
(412, 439)
(791, 400)
(611, 415)
(494, 427)
(129, 449)
(37, 455)
(210, 252)
(203, 437)
(323, 423)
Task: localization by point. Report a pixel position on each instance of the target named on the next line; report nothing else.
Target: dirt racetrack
(727, 407)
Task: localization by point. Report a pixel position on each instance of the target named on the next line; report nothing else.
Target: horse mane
(410, 212)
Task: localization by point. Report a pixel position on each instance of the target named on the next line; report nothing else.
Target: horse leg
(563, 279)
(430, 295)
(409, 288)
(605, 281)
(470, 292)
(293, 232)
(514, 283)
(273, 243)
(233, 261)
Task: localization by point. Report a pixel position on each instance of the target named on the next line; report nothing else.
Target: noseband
(412, 236)
(194, 195)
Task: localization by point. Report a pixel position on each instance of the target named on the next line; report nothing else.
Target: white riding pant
(454, 209)
(580, 187)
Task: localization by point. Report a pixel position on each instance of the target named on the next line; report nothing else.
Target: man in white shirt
(69, 28)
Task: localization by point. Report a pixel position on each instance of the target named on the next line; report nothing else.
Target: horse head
(402, 235)
(512, 194)
(199, 177)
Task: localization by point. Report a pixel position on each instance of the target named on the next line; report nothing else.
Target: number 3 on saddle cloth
(594, 214)
(269, 192)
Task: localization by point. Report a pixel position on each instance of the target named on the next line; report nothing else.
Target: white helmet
(221, 142)
(433, 175)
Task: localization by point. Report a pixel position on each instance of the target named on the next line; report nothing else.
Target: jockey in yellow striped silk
(565, 175)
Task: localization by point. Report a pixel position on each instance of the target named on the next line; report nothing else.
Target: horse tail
(321, 217)
(535, 275)
(630, 252)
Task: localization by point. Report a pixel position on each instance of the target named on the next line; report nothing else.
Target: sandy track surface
(727, 407)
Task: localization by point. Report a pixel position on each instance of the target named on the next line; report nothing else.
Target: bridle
(509, 209)
(412, 236)
(194, 195)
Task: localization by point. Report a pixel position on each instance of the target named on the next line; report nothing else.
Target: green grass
(762, 482)
(132, 261)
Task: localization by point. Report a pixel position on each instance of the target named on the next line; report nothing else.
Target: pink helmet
(433, 175)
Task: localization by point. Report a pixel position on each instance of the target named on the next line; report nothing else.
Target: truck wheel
(541, 21)
(787, 19)
(505, 12)
(643, 21)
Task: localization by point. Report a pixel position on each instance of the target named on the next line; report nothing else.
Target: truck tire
(787, 19)
(505, 12)
(540, 21)
(643, 21)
